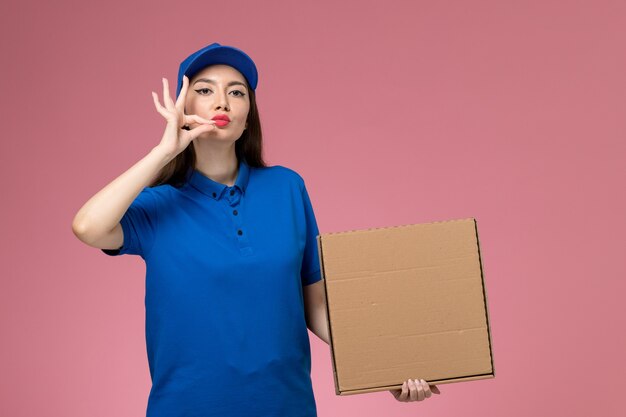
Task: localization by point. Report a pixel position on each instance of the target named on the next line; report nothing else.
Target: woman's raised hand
(176, 139)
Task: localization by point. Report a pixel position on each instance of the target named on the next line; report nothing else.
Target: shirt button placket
(235, 199)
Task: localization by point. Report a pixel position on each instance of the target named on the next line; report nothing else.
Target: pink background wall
(512, 113)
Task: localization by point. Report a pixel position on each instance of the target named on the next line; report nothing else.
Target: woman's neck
(218, 163)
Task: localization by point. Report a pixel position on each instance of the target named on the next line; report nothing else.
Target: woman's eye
(206, 90)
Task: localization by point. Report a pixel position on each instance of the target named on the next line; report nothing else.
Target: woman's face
(219, 89)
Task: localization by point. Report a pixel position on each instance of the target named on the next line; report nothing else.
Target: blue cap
(218, 54)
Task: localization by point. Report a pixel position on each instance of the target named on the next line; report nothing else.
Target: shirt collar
(216, 189)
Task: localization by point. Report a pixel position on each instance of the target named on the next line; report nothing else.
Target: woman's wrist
(161, 155)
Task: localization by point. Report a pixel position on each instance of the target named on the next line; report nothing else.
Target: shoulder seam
(293, 172)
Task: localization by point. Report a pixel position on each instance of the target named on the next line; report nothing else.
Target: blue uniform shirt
(225, 266)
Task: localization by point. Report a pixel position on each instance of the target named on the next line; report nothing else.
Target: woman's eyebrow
(208, 80)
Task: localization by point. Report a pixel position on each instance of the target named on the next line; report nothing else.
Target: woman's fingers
(426, 387)
(197, 131)
(163, 111)
(167, 100)
(180, 101)
(404, 395)
(169, 116)
(415, 390)
(412, 391)
(197, 119)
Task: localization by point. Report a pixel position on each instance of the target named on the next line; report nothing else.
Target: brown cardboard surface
(406, 302)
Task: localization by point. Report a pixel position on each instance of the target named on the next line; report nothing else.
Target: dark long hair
(249, 146)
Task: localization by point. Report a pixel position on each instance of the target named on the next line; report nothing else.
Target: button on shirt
(225, 266)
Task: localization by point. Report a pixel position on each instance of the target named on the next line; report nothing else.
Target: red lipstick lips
(221, 119)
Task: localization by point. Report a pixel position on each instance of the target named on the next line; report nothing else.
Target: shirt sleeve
(310, 272)
(138, 224)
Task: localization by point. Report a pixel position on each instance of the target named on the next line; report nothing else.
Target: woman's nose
(221, 101)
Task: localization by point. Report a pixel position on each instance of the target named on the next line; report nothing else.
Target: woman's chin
(216, 136)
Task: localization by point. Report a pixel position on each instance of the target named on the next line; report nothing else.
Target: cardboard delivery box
(406, 302)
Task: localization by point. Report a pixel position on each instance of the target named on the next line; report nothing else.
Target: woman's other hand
(414, 390)
(176, 139)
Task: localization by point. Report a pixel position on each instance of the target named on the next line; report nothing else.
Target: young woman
(232, 269)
